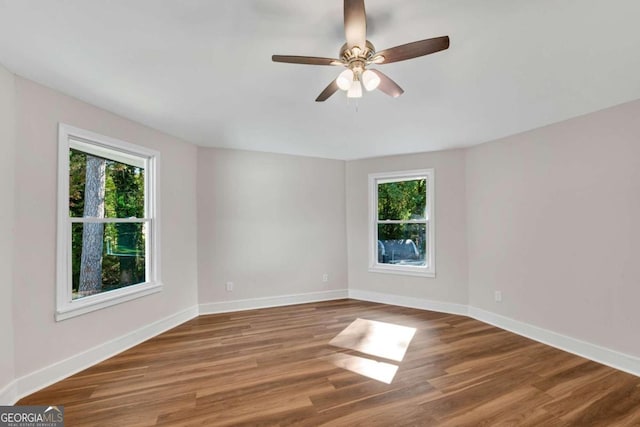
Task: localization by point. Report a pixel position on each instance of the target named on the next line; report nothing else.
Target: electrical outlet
(229, 286)
(497, 296)
(325, 277)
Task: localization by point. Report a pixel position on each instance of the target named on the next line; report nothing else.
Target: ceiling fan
(358, 53)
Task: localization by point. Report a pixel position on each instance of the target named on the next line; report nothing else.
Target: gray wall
(7, 207)
(39, 339)
(271, 224)
(450, 283)
(554, 223)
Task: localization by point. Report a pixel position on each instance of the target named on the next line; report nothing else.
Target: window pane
(402, 200)
(402, 244)
(103, 188)
(106, 257)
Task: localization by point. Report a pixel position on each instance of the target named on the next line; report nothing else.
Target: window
(401, 225)
(107, 222)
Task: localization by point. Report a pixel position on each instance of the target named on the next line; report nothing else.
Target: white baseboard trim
(46, 376)
(267, 302)
(9, 394)
(411, 302)
(606, 356)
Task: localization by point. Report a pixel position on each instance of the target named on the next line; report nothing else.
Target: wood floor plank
(272, 367)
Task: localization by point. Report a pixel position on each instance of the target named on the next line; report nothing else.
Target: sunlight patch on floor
(379, 371)
(378, 339)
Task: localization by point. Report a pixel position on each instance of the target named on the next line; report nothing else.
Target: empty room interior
(267, 212)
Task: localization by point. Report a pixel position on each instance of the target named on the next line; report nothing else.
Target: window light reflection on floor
(378, 339)
(379, 371)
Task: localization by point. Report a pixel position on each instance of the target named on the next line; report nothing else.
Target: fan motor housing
(356, 53)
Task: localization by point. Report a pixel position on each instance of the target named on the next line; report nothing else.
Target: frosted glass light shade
(345, 79)
(355, 91)
(370, 80)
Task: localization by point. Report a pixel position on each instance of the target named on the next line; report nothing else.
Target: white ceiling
(202, 70)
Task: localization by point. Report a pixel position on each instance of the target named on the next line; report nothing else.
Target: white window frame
(111, 148)
(428, 270)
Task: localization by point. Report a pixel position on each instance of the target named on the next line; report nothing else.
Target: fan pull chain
(355, 103)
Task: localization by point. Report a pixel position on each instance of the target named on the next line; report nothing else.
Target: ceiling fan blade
(306, 60)
(327, 92)
(411, 50)
(388, 86)
(355, 23)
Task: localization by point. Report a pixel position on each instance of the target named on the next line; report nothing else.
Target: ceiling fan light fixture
(370, 80)
(345, 80)
(355, 91)
(358, 53)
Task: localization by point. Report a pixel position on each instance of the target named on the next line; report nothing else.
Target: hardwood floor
(276, 367)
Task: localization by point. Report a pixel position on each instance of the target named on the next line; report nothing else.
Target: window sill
(107, 299)
(403, 271)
